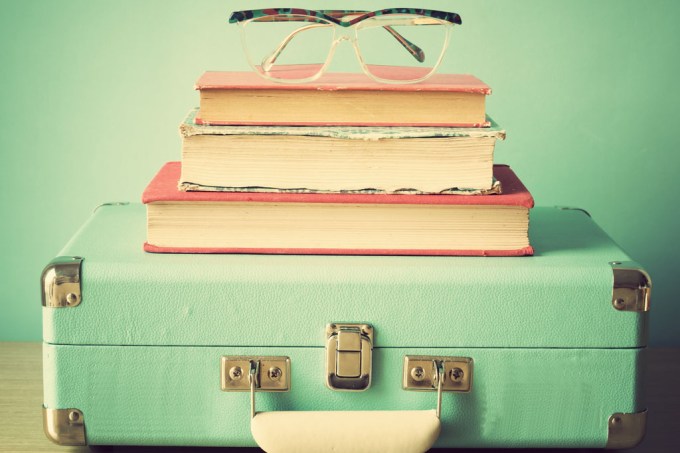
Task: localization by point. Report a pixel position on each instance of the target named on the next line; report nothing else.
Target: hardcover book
(244, 98)
(338, 159)
(324, 223)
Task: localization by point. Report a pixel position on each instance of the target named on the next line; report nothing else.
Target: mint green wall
(91, 94)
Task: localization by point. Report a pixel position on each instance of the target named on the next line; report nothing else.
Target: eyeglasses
(398, 45)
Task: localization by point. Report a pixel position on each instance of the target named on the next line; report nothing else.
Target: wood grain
(21, 400)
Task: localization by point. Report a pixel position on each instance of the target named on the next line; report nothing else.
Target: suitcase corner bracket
(626, 430)
(64, 426)
(632, 287)
(60, 282)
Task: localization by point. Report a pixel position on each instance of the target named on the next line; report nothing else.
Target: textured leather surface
(171, 395)
(345, 431)
(561, 297)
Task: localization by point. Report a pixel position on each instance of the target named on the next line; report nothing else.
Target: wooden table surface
(21, 400)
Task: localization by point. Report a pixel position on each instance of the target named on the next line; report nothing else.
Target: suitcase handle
(356, 431)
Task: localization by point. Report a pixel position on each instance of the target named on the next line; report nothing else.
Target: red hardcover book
(347, 99)
(332, 223)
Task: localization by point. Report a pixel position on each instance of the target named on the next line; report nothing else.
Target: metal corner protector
(632, 288)
(60, 282)
(626, 430)
(64, 426)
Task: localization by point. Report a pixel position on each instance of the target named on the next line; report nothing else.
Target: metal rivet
(616, 420)
(74, 416)
(616, 263)
(236, 373)
(275, 373)
(71, 298)
(619, 303)
(417, 373)
(457, 375)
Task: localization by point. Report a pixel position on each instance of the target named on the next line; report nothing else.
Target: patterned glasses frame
(343, 18)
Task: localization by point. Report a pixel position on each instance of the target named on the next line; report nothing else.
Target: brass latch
(262, 374)
(420, 373)
(349, 356)
(440, 374)
(270, 374)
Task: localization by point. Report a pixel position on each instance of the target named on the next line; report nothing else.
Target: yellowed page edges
(346, 431)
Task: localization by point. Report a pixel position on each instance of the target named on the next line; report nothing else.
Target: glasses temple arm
(413, 49)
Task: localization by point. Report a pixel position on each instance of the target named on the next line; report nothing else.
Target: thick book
(323, 223)
(244, 98)
(338, 158)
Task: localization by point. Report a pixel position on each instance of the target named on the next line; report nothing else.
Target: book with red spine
(337, 223)
(342, 99)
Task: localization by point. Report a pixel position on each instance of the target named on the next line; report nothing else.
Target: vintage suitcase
(344, 353)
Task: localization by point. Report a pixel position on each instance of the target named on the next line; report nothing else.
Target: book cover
(162, 191)
(449, 100)
(341, 81)
(443, 160)
(191, 127)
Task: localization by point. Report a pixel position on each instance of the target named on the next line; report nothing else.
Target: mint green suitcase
(344, 353)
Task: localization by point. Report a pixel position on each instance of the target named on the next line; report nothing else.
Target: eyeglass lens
(414, 44)
(288, 47)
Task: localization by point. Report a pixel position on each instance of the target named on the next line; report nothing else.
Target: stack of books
(342, 165)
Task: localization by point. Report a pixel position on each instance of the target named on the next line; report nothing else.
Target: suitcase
(344, 353)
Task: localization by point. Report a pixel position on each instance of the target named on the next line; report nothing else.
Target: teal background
(92, 93)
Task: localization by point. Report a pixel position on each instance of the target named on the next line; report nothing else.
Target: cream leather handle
(345, 431)
(349, 431)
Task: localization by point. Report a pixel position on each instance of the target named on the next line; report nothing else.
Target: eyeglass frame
(335, 17)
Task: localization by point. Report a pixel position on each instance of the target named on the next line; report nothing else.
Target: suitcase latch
(440, 374)
(422, 372)
(270, 374)
(349, 356)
